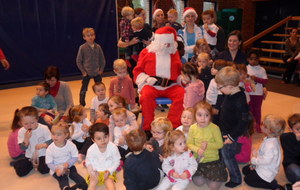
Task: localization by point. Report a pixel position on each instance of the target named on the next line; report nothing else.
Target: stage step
(271, 60)
(269, 50)
(272, 42)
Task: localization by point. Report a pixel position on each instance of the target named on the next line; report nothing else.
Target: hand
(149, 147)
(66, 165)
(252, 77)
(227, 141)
(106, 174)
(200, 152)
(184, 175)
(146, 42)
(204, 145)
(59, 171)
(161, 158)
(134, 41)
(175, 175)
(27, 136)
(296, 186)
(297, 133)
(40, 146)
(151, 80)
(85, 128)
(205, 26)
(289, 60)
(5, 64)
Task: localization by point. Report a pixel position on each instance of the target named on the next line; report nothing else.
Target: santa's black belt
(163, 82)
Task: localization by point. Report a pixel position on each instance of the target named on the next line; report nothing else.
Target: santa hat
(189, 10)
(165, 34)
(155, 12)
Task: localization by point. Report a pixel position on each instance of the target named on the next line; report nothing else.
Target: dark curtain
(37, 33)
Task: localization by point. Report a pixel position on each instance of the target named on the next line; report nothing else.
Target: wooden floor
(11, 99)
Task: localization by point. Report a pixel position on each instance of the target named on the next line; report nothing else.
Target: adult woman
(60, 90)
(191, 32)
(292, 48)
(158, 19)
(234, 51)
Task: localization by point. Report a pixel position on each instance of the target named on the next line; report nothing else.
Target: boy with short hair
(100, 98)
(141, 169)
(234, 114)
(172, 18)
(125, 28)
(90, 61)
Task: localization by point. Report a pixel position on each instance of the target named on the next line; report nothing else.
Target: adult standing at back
(234, 52)
(158, 19)
(191, 32)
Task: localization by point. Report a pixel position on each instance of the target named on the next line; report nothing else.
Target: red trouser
(147, 100)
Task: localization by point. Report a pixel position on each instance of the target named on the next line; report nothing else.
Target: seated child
(172, 18)
(34, 138)
(201, 46)
(102, 159)
(100, 91)
(141, 168)
(290, 143)
(13, 147)
(103, 114)
(204, 69)
(187, 119)
(265, 165)
(61, 156)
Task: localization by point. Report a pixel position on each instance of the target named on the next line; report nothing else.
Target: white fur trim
(163, 65)
(155, 12)
(141, 80)
(164, 38)
(191, 10)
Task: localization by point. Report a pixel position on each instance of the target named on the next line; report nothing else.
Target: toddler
(265, 165)
(172, 18)
(141, 168)
(201, 46)
(34, 138)
(125, 28)
(205, 140)
(187, 119)
(179, 163)
(103, 114)
(61, 156)
(258, 74)
(290, 143)
(90, 61)
(100, 91)
(102, 159)
(13, 147)
(80, 125)
(204, 64)
(194, 88)
(245, 81)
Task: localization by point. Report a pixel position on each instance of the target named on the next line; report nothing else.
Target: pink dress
(194, 92)
(13, 146)
(245, 154)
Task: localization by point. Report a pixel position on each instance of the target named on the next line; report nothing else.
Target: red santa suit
(156, 75)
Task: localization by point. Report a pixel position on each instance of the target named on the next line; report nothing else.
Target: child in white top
(100, 98)
(209, 29)
(194, 88)
(259, 75)
(187, 119)
(34, 138)
(80, 125)
(61, 156)
(265, 165)
(102, 159)
(179, 163)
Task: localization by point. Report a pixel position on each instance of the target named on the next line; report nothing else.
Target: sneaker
(159, 108)
(232, 184)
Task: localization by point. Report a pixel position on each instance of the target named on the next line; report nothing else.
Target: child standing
(194, 89)
(34, 138)
(204, 64)
(259, 75)
(172, 18)
(234, 118)
(187, 119)
(122, 84)
(205, 140)
(100, 91)
(245, 81)
(61, 156)
(103, 114)
(13, 147)
(179, 163)
(290, 143)
(80, 125)
(90, 61)
(125, 28)
(102, 159)
(265, 165)
(141, 168)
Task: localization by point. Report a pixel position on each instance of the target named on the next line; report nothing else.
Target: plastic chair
(163, 100)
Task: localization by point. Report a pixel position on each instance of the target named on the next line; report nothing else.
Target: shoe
(158, 107)
(232, 184)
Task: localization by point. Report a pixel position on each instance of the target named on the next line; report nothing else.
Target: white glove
(151, 80)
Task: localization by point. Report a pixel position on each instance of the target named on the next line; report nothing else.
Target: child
(103, 114)
(245, 81)
(265, 165)
(120, 130)
(61, 156)
(204, 69)
(90, 61)
(141, 168)
(290, 143)
(179, 163)
(125, 28)
(100, 91)
(102, 159)
(259, 75)
(181, 51)
(201, 46)
(13, 147)
(119, 102)
(187, 119)
(209, 29)
(194, 88)
(172, 18)
(80, 125)
(34, 138)
(205, 140)
(122, 84)
(234, 116)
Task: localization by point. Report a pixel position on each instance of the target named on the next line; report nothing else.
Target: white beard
(163, 49)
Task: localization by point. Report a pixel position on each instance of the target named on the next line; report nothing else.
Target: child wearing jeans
(34, 138)
(290, 143)
(100, 92)
(234, 116)
(265, 165)
(90, 61)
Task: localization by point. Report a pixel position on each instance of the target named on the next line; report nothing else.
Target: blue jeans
(84, 87)
(228, 154)
(64, 180)
(292, 173)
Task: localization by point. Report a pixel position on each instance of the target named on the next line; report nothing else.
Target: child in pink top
(12, 143)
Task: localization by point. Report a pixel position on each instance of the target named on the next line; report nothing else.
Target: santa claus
(156, 75)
